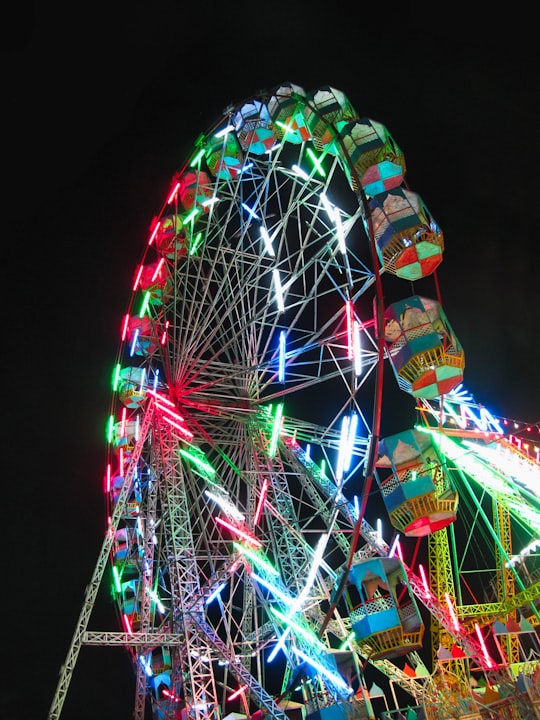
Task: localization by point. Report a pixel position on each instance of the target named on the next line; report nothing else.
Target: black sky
(100, 106)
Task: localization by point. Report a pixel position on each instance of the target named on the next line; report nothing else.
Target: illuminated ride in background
(245, 449)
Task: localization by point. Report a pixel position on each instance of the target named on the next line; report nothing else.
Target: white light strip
(279, 291)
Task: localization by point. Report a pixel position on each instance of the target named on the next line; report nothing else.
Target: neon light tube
(316, 162)
(315, 564)
(134, 342)
(141, 384)
(276, 429)
(346, 444)
(327, 206)
(172, 418)
(260, 504)
(169, 694)
(191, 215)
(116, 376)
(250, 212)
(154, 233)
(237, 693)
(305, 633)
(452, 612)
(226, 506)
(282, 353)
(267, 241)
(197, 158)
(155, 597)
(184, 431)
(197, 460)
(279, 291)
(277, 647)
(487, 657)
(398, 551)
(301, 173)
(349, 313)
(116, 578)
(339, 232)
(286, 599)
(215, 594)
(169, 412)
(146, 665)
(347, 642)
(160, 397)
(110, 428)
(125, 327)
(158, 270)
(283, 126)
(336, 679)
(463, 400)
(424, 578)
(123, 422)
(164, 333)
(343, 441)
(255, 558)
(357, 349)
(173, 194)
(239, 532)
(224, 131)
(195, 243)
(137, 278)
(351, 437)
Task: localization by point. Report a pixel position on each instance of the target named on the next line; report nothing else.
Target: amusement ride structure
(269, 551)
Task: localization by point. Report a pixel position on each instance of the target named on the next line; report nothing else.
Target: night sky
(100, 108)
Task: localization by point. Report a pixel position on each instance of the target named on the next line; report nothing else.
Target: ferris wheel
(244, 430)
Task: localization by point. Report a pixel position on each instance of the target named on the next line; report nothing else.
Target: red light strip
(482, 642)
(184, 431)
(260, 505)
(239, 532)
(137, 278)
(154, 233)
(350, 326)
(237, 693)
(173, 193)
(170, 413)
(125, 327)
(161, 398)
(158, 269)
